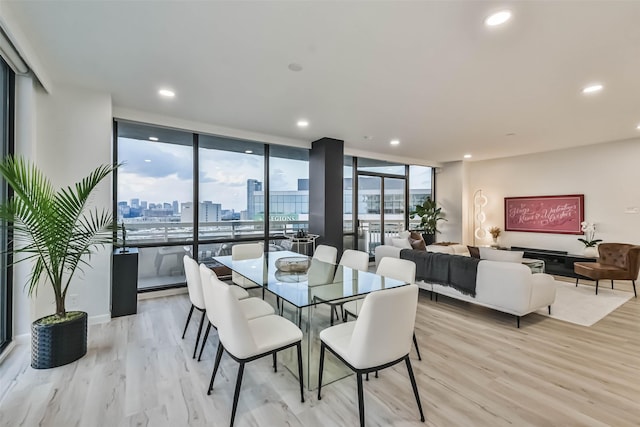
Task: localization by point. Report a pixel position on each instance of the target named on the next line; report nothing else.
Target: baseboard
(7, 350)
(162, 293)
(22, 339)
(101, 318)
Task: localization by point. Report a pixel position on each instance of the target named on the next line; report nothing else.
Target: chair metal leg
(518, 321)
(320, 369)
(597, 287)
(415, 343)
(236, 394)
(331, 310)
(549, 307)
(360, 399)
(188, 318)
(299, 346)
(611, 283)
(275, 362)
(195, 348)
(577, 282)
(216, 364)
(415, 387)
(299, 317)
(366, 377)
(204, 340)
(634, 288)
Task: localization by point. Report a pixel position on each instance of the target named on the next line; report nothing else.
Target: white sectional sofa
(506, 286)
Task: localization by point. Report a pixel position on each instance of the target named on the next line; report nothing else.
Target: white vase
(591, 252)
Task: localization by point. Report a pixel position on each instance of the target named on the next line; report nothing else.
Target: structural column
(326, 165)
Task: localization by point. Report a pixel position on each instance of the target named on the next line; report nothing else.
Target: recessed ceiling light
(166, 93)
(153, 138)
(497, 18)
(467, 156)
(248, 151)
(147, 161)
(592, 88)
(303, 123)
(638, 127)
(394, 142)
(294, 66)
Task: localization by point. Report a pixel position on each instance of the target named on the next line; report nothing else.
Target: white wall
(72, 137)
(607, 175)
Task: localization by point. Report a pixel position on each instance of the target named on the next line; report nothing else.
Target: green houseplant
(57, 232)
(429, 214)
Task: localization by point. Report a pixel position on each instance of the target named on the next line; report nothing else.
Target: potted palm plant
(57, 232)
(429, 214)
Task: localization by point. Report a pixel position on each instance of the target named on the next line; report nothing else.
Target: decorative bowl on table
(293, 264)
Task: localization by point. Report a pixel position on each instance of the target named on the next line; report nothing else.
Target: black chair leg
(195, 349)
(415, 343)
(366, 378)
(204, 340)
(597, 287)
(518, 321)
(275, 362)
(634, 288)
(415, 387)
(188, 318)
(577, 282)
(320, 369)
(549, 307)
(360, 399)
(215, 367)
(611, 284)
(299, 345)
(236, 394)
(331, 310)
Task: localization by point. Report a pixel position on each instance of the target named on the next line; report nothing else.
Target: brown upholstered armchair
(617, 261)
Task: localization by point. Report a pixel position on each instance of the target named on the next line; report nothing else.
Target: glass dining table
(302, 295)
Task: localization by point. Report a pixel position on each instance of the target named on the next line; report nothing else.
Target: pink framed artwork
(544, 214)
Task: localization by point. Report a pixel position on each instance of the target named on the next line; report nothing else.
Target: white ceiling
(428, 73)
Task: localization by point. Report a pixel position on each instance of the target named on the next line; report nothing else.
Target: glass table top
(324, 281)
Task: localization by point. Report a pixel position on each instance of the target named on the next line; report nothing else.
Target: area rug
(582, 306)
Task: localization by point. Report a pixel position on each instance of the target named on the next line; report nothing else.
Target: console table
(559, 263)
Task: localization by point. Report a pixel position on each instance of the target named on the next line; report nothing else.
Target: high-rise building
(207, 212)
(143, 204)
(135, 203)
(175, 207)
(253, 186)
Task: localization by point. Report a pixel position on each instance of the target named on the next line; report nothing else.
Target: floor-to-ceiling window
(6, 142)
(288, 193)
(155, 199)
(231, 194)
(420, 187)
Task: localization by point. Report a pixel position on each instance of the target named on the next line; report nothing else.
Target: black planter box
(58, 344)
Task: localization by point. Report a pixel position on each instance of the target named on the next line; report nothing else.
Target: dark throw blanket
(456, 271)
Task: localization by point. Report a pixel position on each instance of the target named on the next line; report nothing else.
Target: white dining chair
(379, 338)
(247, 340)
(394, 268)
(251, 307)
(196, 297)
(241, 252)
(326, 253)
(356, 260)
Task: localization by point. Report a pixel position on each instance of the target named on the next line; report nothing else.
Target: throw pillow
(404, 234)
(401, 243)
(474, 251)
(417, 242)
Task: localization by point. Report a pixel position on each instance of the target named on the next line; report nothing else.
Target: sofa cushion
(491, 254)
(417, 242)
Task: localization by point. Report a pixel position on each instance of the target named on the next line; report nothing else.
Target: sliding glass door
(6, 141)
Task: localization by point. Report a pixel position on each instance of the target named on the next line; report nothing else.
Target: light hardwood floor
(478, 369)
